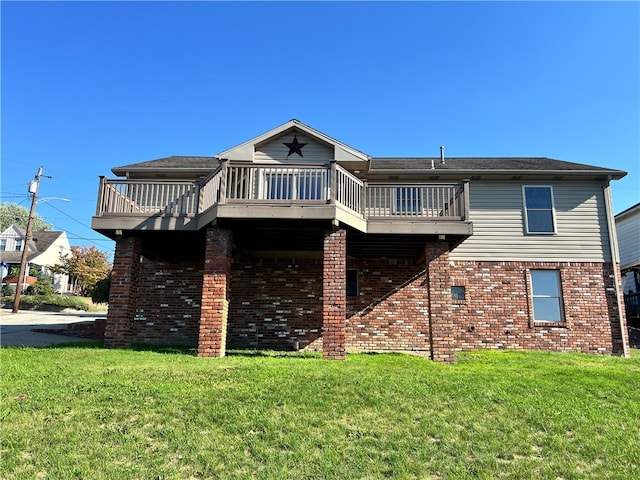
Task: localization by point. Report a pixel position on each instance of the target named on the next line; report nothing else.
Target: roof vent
(442, 155)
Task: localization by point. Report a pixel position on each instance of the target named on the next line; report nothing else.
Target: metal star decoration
(295, 146)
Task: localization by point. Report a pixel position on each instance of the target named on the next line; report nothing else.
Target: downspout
(613, 248)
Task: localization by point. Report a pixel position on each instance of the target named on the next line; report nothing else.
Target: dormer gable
(295, 143)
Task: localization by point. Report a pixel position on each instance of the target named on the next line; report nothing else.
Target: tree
(87, 264)
(12, 213)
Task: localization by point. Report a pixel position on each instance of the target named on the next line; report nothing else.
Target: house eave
(500, 174)
(244, 151)
(164, 171)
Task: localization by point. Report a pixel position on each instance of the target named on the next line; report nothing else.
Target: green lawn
(89, 413)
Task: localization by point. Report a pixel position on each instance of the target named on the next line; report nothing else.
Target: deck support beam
(334, 295)
(122, 293)
(441, 325)
(214, 310)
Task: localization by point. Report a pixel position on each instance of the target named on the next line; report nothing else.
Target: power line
(67, 215)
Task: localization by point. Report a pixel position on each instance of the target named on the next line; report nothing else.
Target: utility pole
(33, 190)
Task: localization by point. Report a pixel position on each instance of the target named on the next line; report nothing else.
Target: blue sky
(87, 86)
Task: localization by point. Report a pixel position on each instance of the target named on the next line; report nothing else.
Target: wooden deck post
(332, 182)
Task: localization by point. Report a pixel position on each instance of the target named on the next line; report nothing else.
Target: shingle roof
(385, 165)
(170, 163)
(42, 240)
(483, 164)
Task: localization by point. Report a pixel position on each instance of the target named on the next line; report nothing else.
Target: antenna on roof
(441, 155)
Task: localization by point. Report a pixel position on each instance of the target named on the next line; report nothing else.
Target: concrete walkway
(17, 329)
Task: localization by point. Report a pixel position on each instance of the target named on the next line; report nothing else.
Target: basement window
(352, 282)
(458, 294)
(547, 296)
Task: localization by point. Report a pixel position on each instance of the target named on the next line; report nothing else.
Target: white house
(45, 250)
(628, 227)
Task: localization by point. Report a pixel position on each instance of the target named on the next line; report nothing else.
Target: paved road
(17, 329)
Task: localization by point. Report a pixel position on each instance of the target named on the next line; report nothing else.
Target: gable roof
(245, 151)
(40, 242)
(176, 167)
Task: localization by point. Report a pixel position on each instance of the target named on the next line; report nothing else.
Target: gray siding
(275, 151)
(496, 210)
(628, 230)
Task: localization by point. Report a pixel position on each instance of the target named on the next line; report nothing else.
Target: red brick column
(214, 309)
(122, 293)
(334, 296)
(441, 325)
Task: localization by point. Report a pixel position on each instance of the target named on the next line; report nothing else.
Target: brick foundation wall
(278, 303)
(275, 303)
(497, 312)
(390, 311)
(123, 292)
(167, 310)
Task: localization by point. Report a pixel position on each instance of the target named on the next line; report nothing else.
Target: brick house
(294, 240)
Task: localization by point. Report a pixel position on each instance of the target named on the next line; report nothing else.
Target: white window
(3, 244)
(18, 245)
(408, 201)
(547, 296)
(294, 184)
(539, 210)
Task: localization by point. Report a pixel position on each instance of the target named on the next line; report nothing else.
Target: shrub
(100, 293)
(55, 300)
(7, 291)
(42, 286)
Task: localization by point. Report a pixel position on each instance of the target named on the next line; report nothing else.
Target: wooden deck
(284, 192)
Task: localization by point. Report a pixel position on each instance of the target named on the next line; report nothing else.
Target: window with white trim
(408, 200)
(294, 184)
(546, 290)
(539, 210)
(3, 244)
(18, 245)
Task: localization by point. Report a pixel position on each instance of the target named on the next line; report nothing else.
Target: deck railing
(142, 197)
(272, 183)
(349, 190)
(416, 201)
(632, 303)
(275, 184)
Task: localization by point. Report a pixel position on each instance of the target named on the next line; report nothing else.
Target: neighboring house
(295, 240)
(628, 228)
(45, 249)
